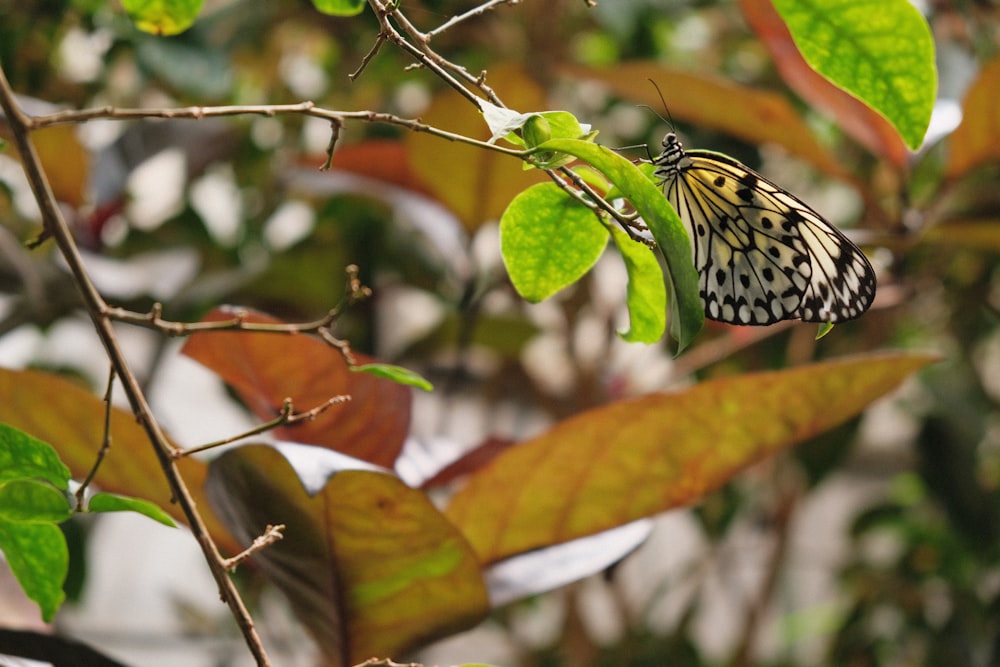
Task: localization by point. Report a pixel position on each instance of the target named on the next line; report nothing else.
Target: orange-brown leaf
(71, 419)
(977, 139)
(267, 368)
(636, 458)
(752, 115)
(370, 566)
(386, 161)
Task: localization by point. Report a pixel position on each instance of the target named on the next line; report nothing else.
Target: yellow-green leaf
(635, 458)
(163, 17)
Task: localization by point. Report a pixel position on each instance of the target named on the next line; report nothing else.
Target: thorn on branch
(271, 535)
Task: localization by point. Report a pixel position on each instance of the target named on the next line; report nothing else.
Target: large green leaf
(881, 51)
(30, 501)
(37, 555)
(25, 457)
(667, 229)
(548, 240)
(368, 563)
(635, 458)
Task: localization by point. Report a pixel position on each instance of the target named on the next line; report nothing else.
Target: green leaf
(396, 374)
(880, 51)
(37, 556)
(667, 228)
(647, 295)
(340, 7)
(30, 501)
(548, 240)
(112, 502)
(24, 457)
(163, 17)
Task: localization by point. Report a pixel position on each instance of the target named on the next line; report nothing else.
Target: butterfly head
(673, 152)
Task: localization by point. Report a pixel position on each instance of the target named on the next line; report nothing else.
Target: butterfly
(762, 254)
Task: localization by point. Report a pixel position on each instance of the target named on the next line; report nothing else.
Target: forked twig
(286, 417)
(472, 13)
(270, 535)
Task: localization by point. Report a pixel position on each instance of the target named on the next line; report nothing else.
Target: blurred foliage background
(873, 545)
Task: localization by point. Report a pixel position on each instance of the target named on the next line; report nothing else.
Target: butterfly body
(762, 254)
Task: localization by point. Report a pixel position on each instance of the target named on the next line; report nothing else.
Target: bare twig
(303, 108)
(372, 52)
(271, 535)
(56, 226)
(105, 442)
(472, 13)
(286, 417)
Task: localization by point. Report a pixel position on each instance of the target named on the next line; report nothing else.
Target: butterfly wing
(763, 255)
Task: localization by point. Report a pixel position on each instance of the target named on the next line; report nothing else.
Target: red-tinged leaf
(71, 419)
(382, 160)
(866, 126)
(977, 139)
(763, 117)
(476, 458)
(368, 563)
(267, 368)
(636, 458)
(476, 184)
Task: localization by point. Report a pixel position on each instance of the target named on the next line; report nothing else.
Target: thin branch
(472, 13)
(238, 322)
(105, 442)
(56, 226)
(422, 54)
(303, 108)
(286, 417)
(271, 535)
(372, 52)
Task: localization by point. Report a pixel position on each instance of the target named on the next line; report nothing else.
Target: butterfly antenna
(669, 119)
